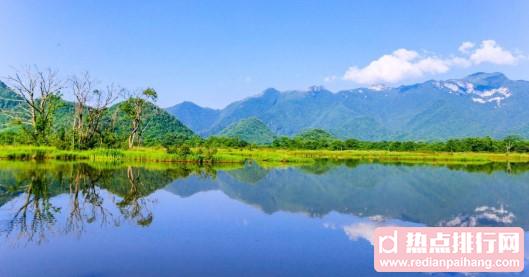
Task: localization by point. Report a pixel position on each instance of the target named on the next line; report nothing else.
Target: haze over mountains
(481, 104)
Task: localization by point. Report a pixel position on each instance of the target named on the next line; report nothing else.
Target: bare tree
(38, 92)
(102, 99)
(82, 87)
(90, 107)
(134, 108)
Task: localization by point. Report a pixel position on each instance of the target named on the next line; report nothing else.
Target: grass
(279, 155)
(265, 155)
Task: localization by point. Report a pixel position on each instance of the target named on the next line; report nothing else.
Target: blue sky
(216, 52)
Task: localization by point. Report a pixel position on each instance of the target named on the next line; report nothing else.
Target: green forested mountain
(193, 115)
(5, 95)
(481, 104)
(251, 130)
(159, 123)
(6, 102)
(315, 135)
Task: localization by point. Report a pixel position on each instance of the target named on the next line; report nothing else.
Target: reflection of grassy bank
(271, 156)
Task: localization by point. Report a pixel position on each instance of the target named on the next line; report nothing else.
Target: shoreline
(267, 155)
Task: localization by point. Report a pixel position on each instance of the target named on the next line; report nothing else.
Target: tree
(102, 99)
(38, 93)
(81, 89)
(510, 142)
(134, 107)
(90, 107)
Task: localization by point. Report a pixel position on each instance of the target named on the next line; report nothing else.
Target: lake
(76, 219)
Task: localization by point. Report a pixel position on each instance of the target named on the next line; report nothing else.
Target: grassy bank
(228, 155)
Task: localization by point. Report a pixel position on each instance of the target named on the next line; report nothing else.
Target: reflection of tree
(83, 185)
(323, 166)
(208, 172)
(251, 173)
(134, 205)
(36, 216)
(31, 188)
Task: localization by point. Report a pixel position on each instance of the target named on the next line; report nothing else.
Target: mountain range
(481, 104)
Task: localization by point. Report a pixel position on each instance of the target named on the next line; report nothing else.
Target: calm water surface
(72, 219)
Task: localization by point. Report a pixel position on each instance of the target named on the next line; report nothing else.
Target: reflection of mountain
(250, 174)
(191, 185)
(420, 194)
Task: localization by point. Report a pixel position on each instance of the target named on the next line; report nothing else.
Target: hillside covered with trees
(34, 112)
(251, 130)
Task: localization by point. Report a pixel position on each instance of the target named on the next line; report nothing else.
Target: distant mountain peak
(495, 79)
(270, 91)
(485, 75)
(484, 87)
(196, 117)
(188, 103)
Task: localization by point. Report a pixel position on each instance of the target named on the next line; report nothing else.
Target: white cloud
(489, 51)
(361, 231)
(458, 61)
(465, 46)
(404, 64)
(365, 228)
(399, 65)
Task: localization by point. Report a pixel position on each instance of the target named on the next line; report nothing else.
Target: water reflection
(428, 195)
(33, 197)
(40, 201)
(471, 195)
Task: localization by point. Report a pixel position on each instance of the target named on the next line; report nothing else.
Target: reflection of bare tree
(134, 205)
(208, 172)
(69, 198)
(36, 216)
(74, 222)
(86, 201)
